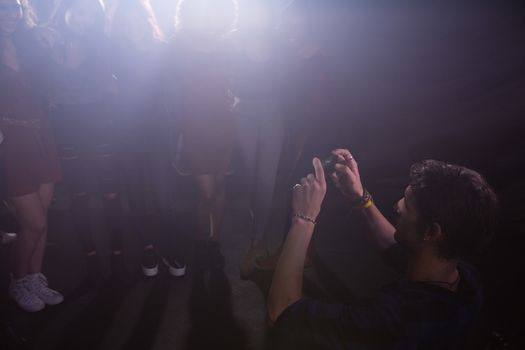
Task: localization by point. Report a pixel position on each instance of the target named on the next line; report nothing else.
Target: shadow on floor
(213, 325)
(88, 328)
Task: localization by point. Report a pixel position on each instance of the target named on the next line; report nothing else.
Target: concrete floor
(198, 310)
(208, 309)
(219, 310)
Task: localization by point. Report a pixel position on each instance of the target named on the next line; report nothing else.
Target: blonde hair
(188, 10)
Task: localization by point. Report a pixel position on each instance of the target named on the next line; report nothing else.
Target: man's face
(407, 230)
(10, 16)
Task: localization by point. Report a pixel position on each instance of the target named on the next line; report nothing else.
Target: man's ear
(433, 233)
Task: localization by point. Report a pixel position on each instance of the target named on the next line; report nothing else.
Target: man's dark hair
(460, 200)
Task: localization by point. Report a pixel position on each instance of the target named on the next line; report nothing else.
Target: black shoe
(150, 262)
(119, 271)
(7, 237)
(175, 265)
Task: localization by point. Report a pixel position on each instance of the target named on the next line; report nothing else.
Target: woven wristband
(368, 203)
(304, 217)
(365, 201)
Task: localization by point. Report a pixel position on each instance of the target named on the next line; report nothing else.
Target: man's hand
(309, 194)
(287, 284)
(346, 178)
(346, 175)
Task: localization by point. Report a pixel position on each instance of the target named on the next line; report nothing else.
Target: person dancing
(145, 133)
(305, 100)
(83, 101)
(200, 60)
(260, 121)
(29, 156)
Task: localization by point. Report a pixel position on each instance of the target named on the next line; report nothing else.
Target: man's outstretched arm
(287, 281)
(346, 177)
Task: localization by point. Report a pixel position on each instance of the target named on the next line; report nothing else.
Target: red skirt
(30, 157)
(208, 144)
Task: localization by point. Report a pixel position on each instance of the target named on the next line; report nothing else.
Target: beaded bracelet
(304, 217)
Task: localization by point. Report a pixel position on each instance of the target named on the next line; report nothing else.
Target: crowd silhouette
(97, 90)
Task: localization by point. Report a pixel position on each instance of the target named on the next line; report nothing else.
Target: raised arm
(287, 281)
(347, 179)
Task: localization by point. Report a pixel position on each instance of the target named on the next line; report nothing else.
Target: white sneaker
(37, 283)
(24, 297)
(150, 262)
(176, 267)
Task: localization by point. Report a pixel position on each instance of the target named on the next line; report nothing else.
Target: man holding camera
(447, 213)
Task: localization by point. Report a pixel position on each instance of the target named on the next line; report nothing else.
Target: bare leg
(205, 219)
(211, 208)
(45, 193)
(33, 225)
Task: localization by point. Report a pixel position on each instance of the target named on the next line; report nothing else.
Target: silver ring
(350, 158)
(296, 186)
